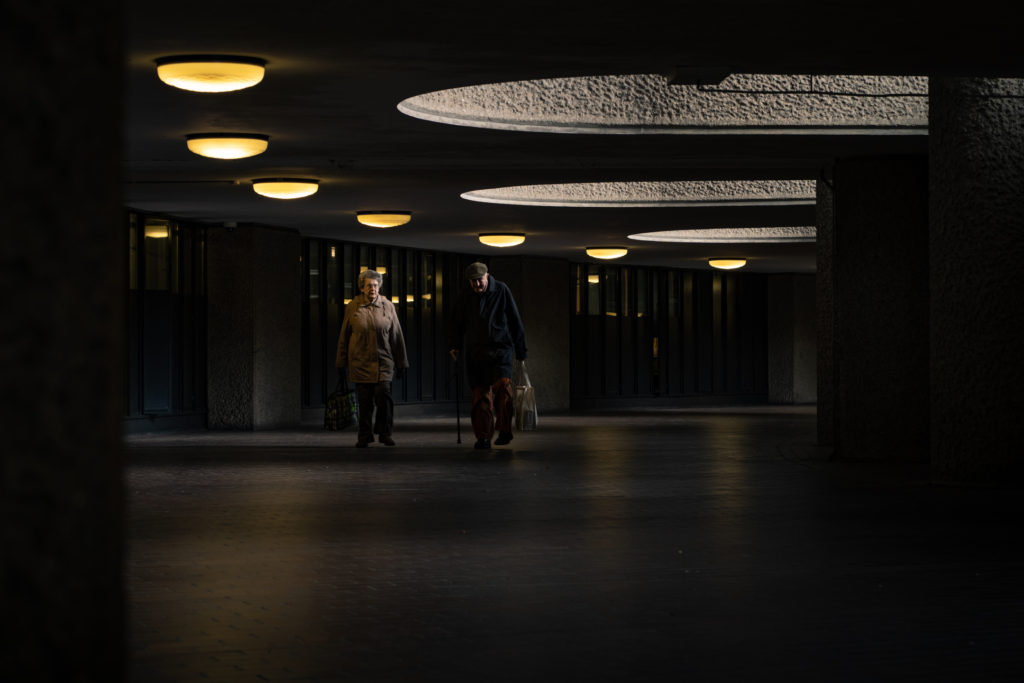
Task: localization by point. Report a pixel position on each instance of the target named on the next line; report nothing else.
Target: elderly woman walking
(371, 348)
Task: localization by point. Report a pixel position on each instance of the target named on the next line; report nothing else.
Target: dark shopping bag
(525, 405)
(342, 410)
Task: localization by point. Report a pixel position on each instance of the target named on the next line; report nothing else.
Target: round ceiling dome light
(285, 188)
(502, 239)
(727, 263)
(227, 145)
(606, 252)
(210, 73)
(383, 219)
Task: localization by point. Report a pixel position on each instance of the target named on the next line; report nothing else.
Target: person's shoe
(482, 444)
(363, 443)
(503, 438)
(386, 440)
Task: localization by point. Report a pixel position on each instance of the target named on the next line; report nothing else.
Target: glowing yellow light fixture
(727, 263)
(210, 73)
(502, 239)
(382, 270)
(285, 188)
(409, 298)
(226, 145)
(394, 299)
(606, 252)
(383, 219)
(594, 279)
(158, 231)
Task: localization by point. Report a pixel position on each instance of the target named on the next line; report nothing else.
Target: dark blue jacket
(489, 328)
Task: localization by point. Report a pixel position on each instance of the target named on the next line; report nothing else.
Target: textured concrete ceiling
(338, 71)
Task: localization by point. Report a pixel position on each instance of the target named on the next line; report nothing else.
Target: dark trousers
(492, 407)
(376, 395)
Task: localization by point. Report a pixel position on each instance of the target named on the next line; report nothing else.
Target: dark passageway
(701, 544)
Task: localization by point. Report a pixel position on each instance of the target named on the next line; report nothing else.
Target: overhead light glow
(227, 145)
(285, 188)
(502, 239)
(210, 73)
(158, 231)
(727, 263)
(594, 279)
(606, 252)
(383, 219)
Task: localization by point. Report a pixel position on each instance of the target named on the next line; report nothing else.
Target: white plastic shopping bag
(525, 406)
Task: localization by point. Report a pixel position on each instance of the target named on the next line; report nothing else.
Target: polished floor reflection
(701, 544)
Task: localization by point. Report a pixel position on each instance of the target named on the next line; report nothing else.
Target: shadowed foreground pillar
(873, 308)
(62, 259)
(976, 148)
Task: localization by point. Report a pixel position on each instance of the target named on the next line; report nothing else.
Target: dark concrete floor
(701, 545)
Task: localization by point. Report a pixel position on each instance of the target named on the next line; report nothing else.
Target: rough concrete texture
(880, 313)
(253, 328)
(805, 341)
(538, 286)
(732, 235)
(792, 345)
(62, 273)
(647, 103)
(976, 144)
(277, 323)
(229, 282)
(649, 193)
(825, 307)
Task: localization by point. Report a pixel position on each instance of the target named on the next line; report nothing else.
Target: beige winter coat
(371, 344)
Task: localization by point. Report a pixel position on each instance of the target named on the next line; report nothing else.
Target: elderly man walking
(486, 323)
(371, 347)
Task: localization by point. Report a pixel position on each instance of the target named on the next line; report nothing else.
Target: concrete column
(254, 328)
(791, 341)
(874, 259)
(540, 287)
(825, 307)
(976, 144)
(62, 274)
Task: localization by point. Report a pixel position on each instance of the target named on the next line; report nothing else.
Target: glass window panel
(174, 249)
(641, 293)
(348, 278)
(594, 290)
(156, 241)
(187, 261)
(200, 235)
(611, 291)
(133, 251)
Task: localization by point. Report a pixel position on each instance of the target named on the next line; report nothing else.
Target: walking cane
(458, 420)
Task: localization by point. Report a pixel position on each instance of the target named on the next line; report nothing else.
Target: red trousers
(492, 407)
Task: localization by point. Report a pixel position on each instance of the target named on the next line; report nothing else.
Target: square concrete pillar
(254, 328)
(976, 144)
(873, 309)
(539, 286)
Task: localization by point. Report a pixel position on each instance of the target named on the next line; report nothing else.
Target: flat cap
(475, 270)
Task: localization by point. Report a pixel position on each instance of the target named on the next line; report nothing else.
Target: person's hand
(400, 373)
(454, 353)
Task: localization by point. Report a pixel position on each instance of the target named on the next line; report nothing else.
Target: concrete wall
(976, 144)
(879, 314)
(792, 346)
(254, 328)
(541, 288)
(62, 273)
